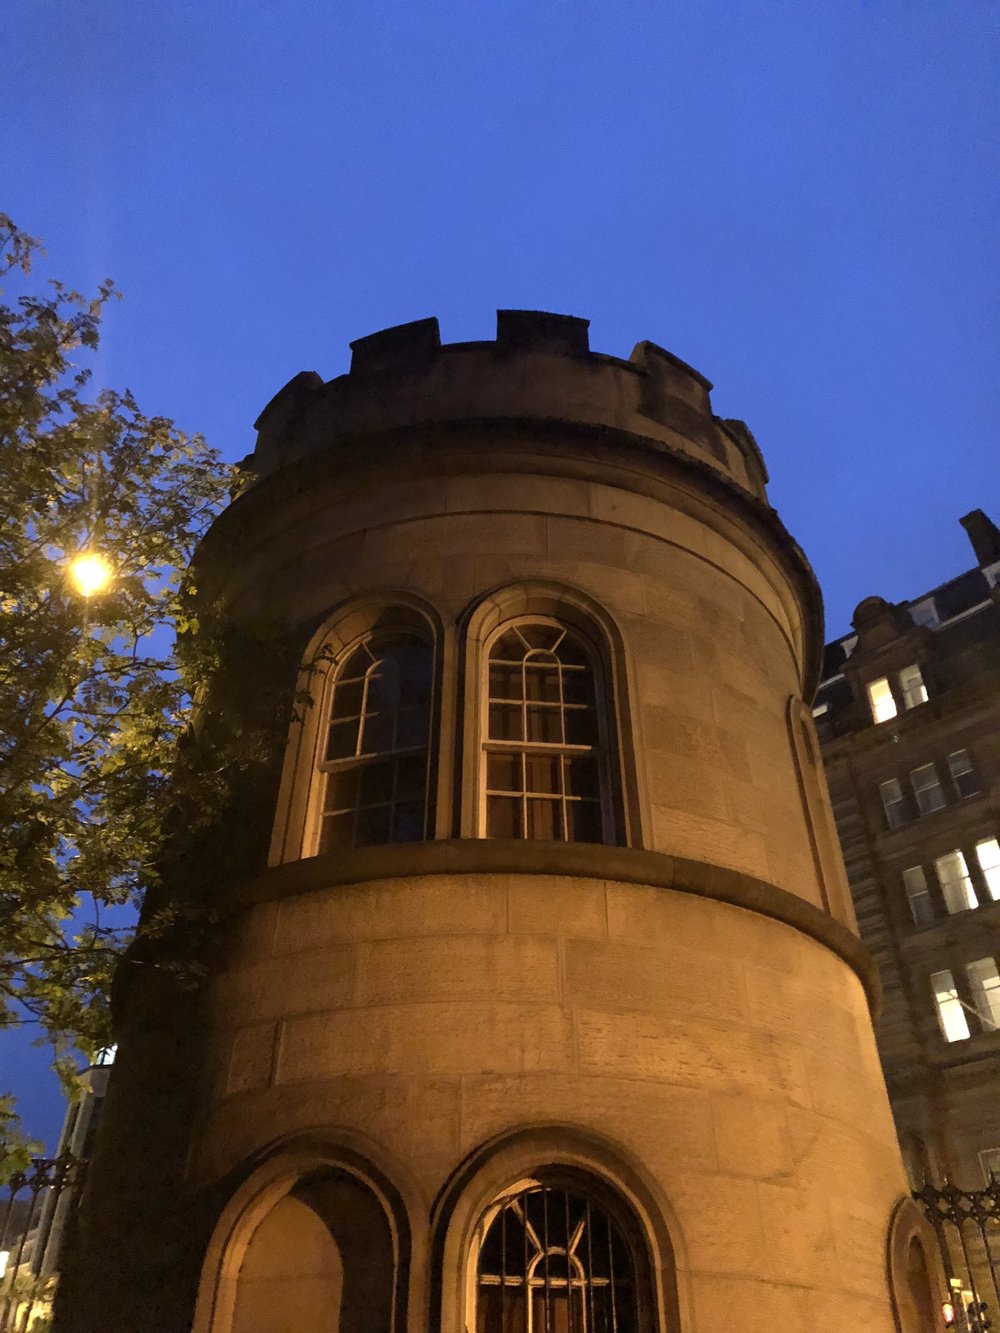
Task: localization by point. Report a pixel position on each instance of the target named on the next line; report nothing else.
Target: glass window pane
(347, 698)
(343, 740)
(927, 789)
(545, 820)
(984, 981)
(988, 856)
(411, 727)
(540, 636)
(585, 823)
(505, 681)
(413, 670)
(918, 896)
(883, 705)
(503, 817)
(408, 822)
(578, 687)
(336, 832)
(582, 778)
(341, 789)
(541, 682)
(376, 783)
(378, 733)
(911, 684)
(510, 647)
(373, 826)
(951, 1015)
(503, 772)
(960, 768)
(956, 882)
(411, 777)
(505, 722)
(581, 726)
(544, 724)
(542, 773)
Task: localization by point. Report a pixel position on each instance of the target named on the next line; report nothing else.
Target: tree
(94, 694)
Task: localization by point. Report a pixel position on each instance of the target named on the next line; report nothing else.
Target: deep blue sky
(798, 197)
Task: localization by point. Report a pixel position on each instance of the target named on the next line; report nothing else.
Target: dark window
(962, 773)
(546, 759)
(375, 761)
(552, 1260)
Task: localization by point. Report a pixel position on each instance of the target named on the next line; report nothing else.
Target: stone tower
(545, 1009)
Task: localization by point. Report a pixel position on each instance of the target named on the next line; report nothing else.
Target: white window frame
(928, 789)
(961, 884)
(951, 1015)
(881, 701)
(988, 856)
(912, 687)
(894, 803)
(917, 892)
(984, 982)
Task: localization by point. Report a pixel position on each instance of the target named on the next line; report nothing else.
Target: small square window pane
(505, 681)
(585, 823)
(411, 777)
(503, 817)
(956, 882)
(376, 783)
(336, 832)
(578, 687)
(911, 683)
(509, 647)
(960, 768)
(377, 733)
(408, 822)
(341, 789)
(411, 727)
(542, 773)
(343, 740)
(951, 1015)
(541, 682)
(505, 722)
(503, 772)
(988, 856)
(582, 777)
(581, 726)
(544, 724)
(883, 705)
(373, 826)
(347, 698)
(545, 820)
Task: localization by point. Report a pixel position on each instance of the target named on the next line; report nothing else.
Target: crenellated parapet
(539, 368)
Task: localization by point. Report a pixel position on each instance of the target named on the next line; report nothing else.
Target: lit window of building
(984, 981)
(927, 789)
(880, 697)
(893, 802)
(962, 775)
(918, 895)
(988, 856)
(912, 687)
(956, 882)
(951, 1014)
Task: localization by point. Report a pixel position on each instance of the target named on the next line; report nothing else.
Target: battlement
(540, 367)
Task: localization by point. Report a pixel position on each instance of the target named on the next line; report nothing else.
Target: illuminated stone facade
(917, 799)
(546, 1001)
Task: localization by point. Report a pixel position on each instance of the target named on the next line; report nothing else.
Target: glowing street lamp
(90, 573)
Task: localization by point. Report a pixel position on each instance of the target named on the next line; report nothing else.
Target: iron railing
(967, 1226)
(32, 1218)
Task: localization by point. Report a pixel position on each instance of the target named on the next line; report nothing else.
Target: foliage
(93, 698)
(16, 1149)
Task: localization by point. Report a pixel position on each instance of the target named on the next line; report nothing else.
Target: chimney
(984, 535)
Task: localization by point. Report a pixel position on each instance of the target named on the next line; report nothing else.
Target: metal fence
(32, 1218)
(967, 1226)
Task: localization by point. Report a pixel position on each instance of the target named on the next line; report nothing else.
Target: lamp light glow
(90, 573)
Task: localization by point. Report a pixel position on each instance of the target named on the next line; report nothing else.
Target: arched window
(552, 1259)
(545, 756)
(375, 751)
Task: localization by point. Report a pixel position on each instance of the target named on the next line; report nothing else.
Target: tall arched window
(375, 753)
(545, 760)
(552, 1259)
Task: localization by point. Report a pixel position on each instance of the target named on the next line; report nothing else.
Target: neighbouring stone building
(908, 714)
(534, 996)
